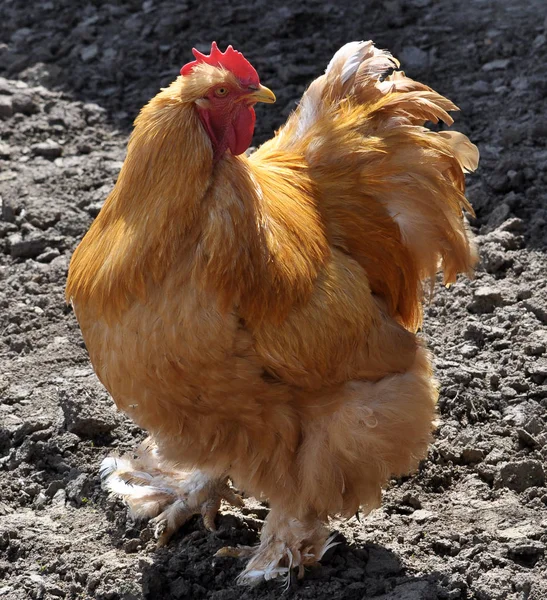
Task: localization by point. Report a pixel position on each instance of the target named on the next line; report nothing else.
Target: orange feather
(257, 315)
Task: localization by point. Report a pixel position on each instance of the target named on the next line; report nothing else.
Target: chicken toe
(169, 496)
(287, 545)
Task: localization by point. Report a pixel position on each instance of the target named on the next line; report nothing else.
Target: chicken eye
(221, 92)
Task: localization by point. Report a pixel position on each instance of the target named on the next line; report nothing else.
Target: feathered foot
(286, 543)
(156, 489)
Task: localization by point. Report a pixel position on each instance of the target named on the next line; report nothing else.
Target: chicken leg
(156, 489)
(286, 543)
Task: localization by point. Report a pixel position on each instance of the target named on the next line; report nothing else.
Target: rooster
(257, 315)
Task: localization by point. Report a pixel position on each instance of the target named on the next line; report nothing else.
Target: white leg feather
(155, 489)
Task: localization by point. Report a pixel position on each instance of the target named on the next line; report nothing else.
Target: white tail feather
(354, 65)
(466, 152)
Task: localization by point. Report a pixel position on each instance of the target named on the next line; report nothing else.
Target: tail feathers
(416, 107)
(399, 82)
(354, 64)
(365, 77)
(361, 129)
(465, 152)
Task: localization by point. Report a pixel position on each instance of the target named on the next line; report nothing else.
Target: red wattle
(240, 134)
(235, 135)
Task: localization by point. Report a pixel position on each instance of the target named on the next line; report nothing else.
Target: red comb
(231, 59)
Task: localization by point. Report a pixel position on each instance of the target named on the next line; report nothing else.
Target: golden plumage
(257, 315)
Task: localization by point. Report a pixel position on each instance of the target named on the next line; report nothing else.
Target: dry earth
(472, 524)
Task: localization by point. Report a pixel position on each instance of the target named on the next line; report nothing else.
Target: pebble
(524, 293)
(508, 393)
(539, 40)
(412, 57)
(131, 546)
(24, 103)
(55, 590)
(505, 239)
(480, 88)
(5, 509)
(38, 585)
(469, 350)
(472, 456)
(476, 332)
(422, 515)
(485, 300)
(519, 532)
(8, 175)
(520, 475)
(59, 498)
(444, 546)
(49, 149)
(524, 415)
(54, 487)
(28, 247)
(85, 417)
(6, 106)
(5, 150)
(5, 86)
(534, 349)
(534, 426)
(48, 255)
(536, 307)
(83, 147)
(537, 371)
(499, 182)
(40, 501)
(496, 65)
(79, 488)
(529, 549)
(88, 53)
(94, 208)
(412, 499)
(93, 113)
(501, 212)
(514, 224)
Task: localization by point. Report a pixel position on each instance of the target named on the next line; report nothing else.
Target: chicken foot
(169, 496)
(200, 495)
(286, 543)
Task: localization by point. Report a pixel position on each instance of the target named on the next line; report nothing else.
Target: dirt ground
(472, 524)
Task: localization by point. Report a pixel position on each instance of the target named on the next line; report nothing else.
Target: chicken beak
(263, 94)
